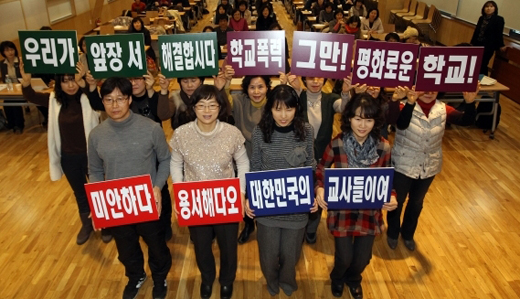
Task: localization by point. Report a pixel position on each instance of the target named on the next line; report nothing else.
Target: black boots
(86, 228)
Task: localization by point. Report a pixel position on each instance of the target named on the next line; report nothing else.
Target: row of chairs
(417, 14)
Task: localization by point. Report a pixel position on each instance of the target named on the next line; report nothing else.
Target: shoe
(226, 291)
(410, 244)
(337, 289)
(392, 243)
(160, 289)
(244, 235)
(205, 291)
(356, 292)
(106, 236)
(132, 288)
(310, 238)
(86, 229)
(168, 233)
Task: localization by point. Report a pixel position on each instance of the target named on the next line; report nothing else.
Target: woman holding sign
(417, 155)
(206, 149)
(281, 140)
(71, 118)
(360, 145)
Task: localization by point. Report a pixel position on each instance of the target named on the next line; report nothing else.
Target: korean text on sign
(322, 54)
(451, 69)
(277, 192)
(49, 51)
(358, 188)
(384, 64)
(208, 202)
(189, 55)
(256, 52)
(122, 201)
(120, 55)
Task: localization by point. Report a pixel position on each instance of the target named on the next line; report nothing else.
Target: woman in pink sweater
(237, 22)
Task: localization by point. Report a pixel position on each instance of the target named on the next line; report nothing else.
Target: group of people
(218, 134)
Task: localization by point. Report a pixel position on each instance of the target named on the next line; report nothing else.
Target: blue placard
(284, 191)
(358, 188)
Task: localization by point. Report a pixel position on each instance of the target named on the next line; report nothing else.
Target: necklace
(315, 104)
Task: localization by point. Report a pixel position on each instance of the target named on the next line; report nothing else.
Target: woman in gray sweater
(281, 140)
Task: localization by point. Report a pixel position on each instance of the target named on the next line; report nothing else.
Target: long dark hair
(8, 44)
(60, 95)
(370, 108)
(282, 95)
(484, 8)
(206, 92)
(131, 28)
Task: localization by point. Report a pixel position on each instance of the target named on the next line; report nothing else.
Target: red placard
(122, 201)
(208, 202)
(384, 64)
(256, 52)
(451, 69)
(325, 55)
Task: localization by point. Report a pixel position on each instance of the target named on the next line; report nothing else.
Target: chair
(393, 12)
(134, 14)
(146, 21)
(106, 29)
(152, 14)
(422, 10)
(428, 27)
(411, 11)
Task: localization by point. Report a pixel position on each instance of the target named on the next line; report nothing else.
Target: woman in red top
(237, 22)
(360, 145)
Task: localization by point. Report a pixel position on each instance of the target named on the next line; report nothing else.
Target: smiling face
(361, 127)
(428, 96)
(283, 115)
(207, 111)
(257, 89)
(314, 84)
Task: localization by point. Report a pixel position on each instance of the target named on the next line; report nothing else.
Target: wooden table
(16, 96)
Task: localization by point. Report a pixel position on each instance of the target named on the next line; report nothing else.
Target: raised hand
(413, 95)
(469, 97)
(81, 71)
(360, 89)
(400, 93)
(164, 83)
(347, 85)
(149, 80)
(25, 76)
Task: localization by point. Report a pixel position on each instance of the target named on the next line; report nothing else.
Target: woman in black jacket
(488, 33)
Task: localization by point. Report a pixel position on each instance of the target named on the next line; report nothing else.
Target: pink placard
(451, 69)
(326, 55)
(256, 52)
(384, 64)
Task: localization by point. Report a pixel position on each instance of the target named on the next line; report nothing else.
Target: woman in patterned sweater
(360, 145)
(281, 140)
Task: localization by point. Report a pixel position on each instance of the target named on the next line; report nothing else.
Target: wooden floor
(468, 242)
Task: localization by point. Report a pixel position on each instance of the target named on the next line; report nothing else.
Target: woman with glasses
(206, 149)
(71, 118)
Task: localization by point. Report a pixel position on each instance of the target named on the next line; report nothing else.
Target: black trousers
(131, 255)
(202, 237)
(488, 53)
(14, 116)
(166, 211)
(314, 221)
(351, 256)
(416, 190)
(75, 168)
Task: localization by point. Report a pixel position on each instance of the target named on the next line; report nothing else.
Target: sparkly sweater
(198, 156)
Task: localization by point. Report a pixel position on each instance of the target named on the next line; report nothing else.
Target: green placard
(49, 52)
(120, 55)
(189, 55)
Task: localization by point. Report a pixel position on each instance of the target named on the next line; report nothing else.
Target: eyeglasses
(210, 107)
(110, 101)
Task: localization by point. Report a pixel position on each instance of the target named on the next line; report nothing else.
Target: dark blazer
(493, 37)
(327, 120)
(3, 70)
